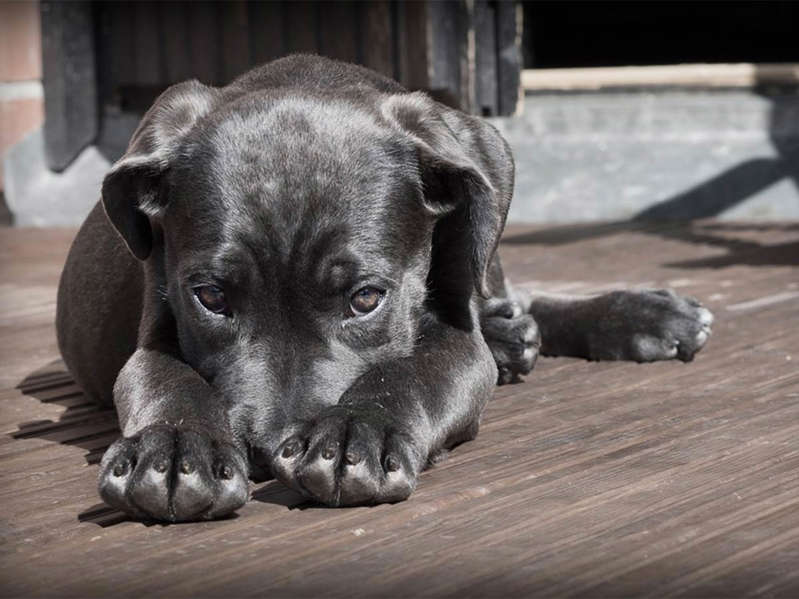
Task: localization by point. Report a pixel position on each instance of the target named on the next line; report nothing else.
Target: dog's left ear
(466, 171)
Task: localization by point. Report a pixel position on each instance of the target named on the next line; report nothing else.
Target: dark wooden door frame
(97, 56)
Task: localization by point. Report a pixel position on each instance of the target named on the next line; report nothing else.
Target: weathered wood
(115, 47)
(338, 30)
(486, 72)
(698, 76)
(301, 26)
(204, 41)
(450, 49)
(412, 43)
(147, 57)
(69, 79)
(267, 40)
(588, 479)
(235, 40)
(447, 53)
(176, 41)
(509, 59)
(377, 42)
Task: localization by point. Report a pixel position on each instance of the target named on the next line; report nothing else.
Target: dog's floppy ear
(133, 191)
(466, 173)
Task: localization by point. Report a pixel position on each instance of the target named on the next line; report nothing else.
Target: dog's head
(296, 239)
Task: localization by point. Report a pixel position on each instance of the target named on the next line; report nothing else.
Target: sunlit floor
(592, 479)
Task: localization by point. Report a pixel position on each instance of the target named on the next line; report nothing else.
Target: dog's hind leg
(638, 325)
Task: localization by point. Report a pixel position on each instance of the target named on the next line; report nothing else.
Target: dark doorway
(592, 34)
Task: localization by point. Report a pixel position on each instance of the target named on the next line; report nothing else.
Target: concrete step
(661, 155)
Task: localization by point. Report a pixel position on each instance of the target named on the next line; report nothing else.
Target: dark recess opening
(592, 34)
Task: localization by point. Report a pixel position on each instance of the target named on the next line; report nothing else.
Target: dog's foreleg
(176, 460)
(370, 447)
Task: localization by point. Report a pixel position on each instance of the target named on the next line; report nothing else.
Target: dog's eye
(212, 298)
(365, 300)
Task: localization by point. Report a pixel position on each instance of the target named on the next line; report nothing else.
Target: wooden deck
(586, 480)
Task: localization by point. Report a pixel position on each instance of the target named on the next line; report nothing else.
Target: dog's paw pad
(165, 473)
(664, 325)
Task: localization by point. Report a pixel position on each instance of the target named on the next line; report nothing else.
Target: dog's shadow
(277, 493)
(82, 424)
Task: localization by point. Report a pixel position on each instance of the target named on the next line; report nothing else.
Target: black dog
(296, 275)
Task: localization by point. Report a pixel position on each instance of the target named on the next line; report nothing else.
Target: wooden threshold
(739, 75)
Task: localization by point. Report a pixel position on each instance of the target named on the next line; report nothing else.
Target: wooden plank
(204, 38)
(120, 46)
(377, 41)
(509, 59)
(449, 80)
(267, 40)
(176, 41)
(147, 57)
(413, 45)
(338, 31)
(235, 39)
(301, 26)
(703, 76)
(69, 79)
(486, 73)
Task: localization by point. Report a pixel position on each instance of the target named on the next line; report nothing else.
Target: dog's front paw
(173, 474)
(350, 456)
(512, 336)
(651, 325)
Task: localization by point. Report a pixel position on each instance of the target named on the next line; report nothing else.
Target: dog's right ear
(133, 190)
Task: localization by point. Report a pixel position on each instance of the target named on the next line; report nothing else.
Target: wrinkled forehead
(302, 146)
(299, 170)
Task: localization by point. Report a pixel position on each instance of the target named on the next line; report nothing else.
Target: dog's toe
(348, 458)
(514, 341)
(667, 326)
(173, 475)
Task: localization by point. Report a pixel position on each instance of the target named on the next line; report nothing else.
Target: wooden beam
(509, 56)
(266, 31)
(70, 81)
(377, 45)
(338, 30)
(743, 75)
(486, 83)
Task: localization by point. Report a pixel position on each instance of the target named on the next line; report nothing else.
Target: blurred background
(615, 110)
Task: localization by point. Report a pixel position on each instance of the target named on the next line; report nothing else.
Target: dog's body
(296, 275)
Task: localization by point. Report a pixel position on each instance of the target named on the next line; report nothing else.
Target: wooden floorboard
(587, 479)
